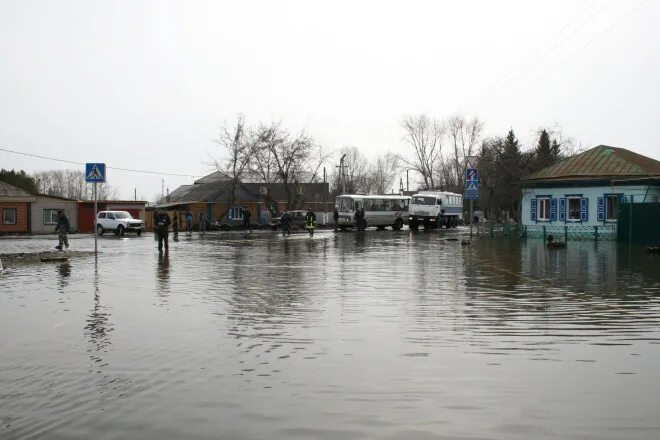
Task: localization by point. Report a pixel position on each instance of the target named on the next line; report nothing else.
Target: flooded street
(374, 335)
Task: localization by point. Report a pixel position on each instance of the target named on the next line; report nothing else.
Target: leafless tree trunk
(382, 173)
(465, 136)
(238, 144)
(424, 136)
(290, 156)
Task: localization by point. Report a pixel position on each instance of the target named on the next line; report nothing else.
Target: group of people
(310, 222)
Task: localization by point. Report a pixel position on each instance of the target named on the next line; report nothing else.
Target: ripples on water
(383, 334)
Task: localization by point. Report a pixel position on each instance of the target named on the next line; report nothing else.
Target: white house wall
(37, 224)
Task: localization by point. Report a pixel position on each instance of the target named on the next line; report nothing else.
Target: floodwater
(389, 335)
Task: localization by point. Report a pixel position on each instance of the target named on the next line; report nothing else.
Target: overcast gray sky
(146, 84)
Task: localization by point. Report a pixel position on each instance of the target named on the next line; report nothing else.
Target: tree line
(59, 183)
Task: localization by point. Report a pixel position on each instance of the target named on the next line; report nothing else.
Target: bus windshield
(419, 200)
(344, 204)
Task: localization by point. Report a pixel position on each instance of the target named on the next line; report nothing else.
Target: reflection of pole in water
(97, 325)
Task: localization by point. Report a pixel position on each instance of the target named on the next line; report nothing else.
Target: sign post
(472, 185)
(95, 173)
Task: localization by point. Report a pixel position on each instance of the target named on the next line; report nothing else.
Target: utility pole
(325, 193)
(162, 188)
(407, 181)
(342, 174)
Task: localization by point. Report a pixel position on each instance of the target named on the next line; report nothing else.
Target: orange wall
(21, 217)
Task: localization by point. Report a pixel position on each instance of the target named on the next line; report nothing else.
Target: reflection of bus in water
(435, 209)
(379, 211)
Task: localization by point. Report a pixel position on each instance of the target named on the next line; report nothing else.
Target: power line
(110, 168)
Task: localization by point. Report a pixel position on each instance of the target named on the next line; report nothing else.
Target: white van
(435, 209)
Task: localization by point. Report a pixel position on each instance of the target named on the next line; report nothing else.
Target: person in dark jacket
(202, 222)
(162, 229)
(285, 223)
(335, 217)
(62, 228)
(247, 225)
(359, 219)
(310, 221)
(175, 225)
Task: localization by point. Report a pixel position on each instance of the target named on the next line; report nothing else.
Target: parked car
(118, 222)
(297, 220)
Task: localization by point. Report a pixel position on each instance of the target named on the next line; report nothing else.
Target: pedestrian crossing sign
(471, 187)
(95, 172)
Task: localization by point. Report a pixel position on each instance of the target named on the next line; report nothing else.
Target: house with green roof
(584, 192)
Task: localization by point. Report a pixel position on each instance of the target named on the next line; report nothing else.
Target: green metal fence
(639, 223)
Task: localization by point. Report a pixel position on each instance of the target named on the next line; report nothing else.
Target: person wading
(285, 223)
(175, 225)
(202, 223)
(247, 225)
(335, 217)
(189, 219)
(62, 228)
(163, 230)
(310, 221)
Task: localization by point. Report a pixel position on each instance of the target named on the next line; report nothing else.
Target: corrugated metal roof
(598, 163)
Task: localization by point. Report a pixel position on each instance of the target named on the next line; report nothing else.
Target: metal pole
(96, 234)
(325, 193)
(407, 181)
(471, 218)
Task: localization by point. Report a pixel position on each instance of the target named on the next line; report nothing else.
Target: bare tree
(424, 136)
(288, 156)
(238, 144)
(465, 137)
(71, 184)
(382, 173)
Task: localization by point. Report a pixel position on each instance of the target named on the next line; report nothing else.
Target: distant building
(43, 213)
(14, 209)
(86, 221)
(212, 195)
(585, 191)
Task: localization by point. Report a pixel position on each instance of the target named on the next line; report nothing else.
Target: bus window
(439, 202)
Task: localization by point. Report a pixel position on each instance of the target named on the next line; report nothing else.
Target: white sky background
(145, 85)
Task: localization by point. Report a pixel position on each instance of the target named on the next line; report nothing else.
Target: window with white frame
(543, 208)
(9, 216)
(611, 206)
(573, 205)
(235, 213)
(50, 216)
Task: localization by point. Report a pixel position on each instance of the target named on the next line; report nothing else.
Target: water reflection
(163, 273)
(63, 272)
(288, 337)
(98, 326)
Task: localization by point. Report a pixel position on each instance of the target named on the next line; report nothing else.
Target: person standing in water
(310, 221)
(62, 228)
(163, 230)
(285, 223)
(175, 225)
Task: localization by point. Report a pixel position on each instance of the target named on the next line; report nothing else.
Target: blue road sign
(471, 195)
(95, 172)
(472, 174)
(471, 186)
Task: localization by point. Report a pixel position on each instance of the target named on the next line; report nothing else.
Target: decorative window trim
(573, 197)
(538, 208)
(231, 213)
